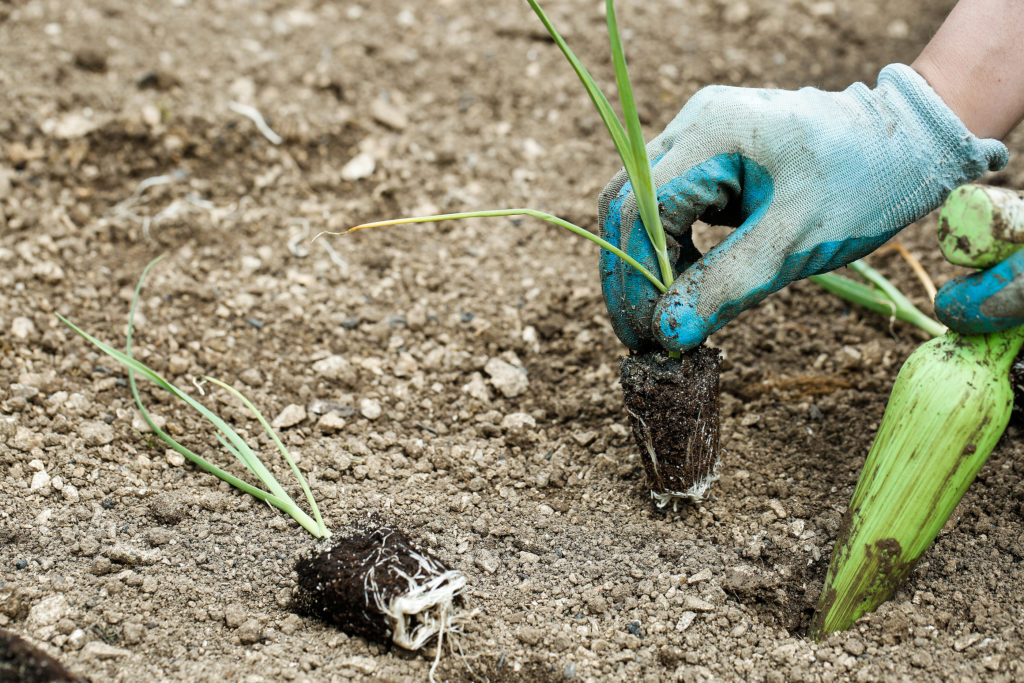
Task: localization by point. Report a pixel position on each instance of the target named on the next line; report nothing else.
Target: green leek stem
(884, 298)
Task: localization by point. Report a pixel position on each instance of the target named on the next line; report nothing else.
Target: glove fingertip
(957, 308)
(677, 325)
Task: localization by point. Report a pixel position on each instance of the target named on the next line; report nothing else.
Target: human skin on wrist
(975, 62)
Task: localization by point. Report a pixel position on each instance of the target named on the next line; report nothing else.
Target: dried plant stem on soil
(673, 408)
(378, 583)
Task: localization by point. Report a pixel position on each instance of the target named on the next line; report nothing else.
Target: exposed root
(695, 494)
(377, 583)
(254, 115)
(426, 606)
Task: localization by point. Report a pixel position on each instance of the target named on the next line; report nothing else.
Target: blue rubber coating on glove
(633, 291)
(811, 180)
(970, 304)
(682, 327)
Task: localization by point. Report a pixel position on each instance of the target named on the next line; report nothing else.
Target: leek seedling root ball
(673, 408)
(378, 583)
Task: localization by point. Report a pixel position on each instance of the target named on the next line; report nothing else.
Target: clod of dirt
(377, 583)
(673, 408)
(22, 662)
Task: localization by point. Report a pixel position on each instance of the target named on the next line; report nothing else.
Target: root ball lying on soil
(673, 408)
(20, 661)
(377, 583)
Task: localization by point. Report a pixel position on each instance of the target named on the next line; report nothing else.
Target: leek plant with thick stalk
(949, 406)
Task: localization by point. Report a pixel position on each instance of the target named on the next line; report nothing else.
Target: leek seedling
(629, 142)
(273, 493)
(950, 403)
(673, 406)
(380, 576)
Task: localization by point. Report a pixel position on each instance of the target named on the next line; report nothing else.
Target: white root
(648, 441)
(254, 115)
(428, 606)
(695, 494)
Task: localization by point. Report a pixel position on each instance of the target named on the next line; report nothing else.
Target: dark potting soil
(21, 662)
(342, 584)
(674, 411)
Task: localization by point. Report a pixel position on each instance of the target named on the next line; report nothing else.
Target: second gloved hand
(991, 300)
(811, 180)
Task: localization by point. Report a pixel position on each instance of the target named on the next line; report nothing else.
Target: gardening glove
(811, 180)
(990, 300)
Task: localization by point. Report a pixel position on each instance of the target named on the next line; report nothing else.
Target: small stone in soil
(506, 378)
(292, 415)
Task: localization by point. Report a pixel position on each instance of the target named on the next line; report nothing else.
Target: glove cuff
(939, 152)
(982, 154)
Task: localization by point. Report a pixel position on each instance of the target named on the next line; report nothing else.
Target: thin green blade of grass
(640, 171)
(283, 503)
(601, 103)
(280, 447)
(493, 213)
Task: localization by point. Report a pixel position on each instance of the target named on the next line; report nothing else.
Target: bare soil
(392, 356)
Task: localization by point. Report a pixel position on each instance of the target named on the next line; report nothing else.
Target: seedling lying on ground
(652, 383)
(950, 403)
(407, 595)
(274, 494)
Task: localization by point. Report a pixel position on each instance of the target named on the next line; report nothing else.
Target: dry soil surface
(460, 380)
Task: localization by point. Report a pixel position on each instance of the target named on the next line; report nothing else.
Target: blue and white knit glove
(811, 180)
(991, 300)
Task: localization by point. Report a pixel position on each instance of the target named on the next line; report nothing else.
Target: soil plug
(378, 583)
(23, 662)
(673, 409)
(950, 403)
